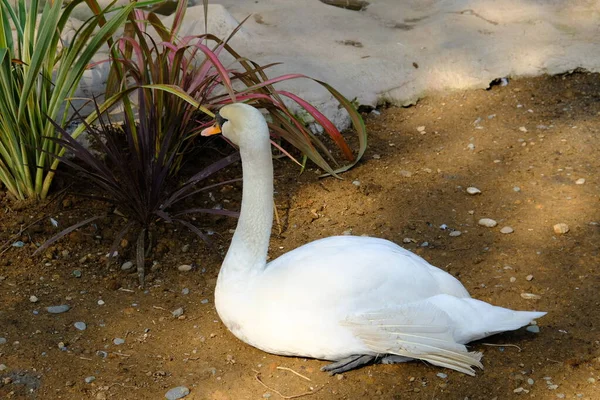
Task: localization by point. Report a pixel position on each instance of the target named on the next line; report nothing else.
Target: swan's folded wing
(416, 330)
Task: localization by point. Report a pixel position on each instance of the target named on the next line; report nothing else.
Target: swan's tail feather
(436, 329)
(419, 331)
(475, 319)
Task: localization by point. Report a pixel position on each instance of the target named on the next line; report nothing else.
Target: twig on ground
(502, 345)
(294, 372)
(295, 396)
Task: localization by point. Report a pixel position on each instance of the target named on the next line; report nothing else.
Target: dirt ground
(524, 145)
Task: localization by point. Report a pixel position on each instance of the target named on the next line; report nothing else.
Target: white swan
(352, 300)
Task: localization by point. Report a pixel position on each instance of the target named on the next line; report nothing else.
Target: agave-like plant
(185, 78)
(178, 82)
(37, 75)
(129, 174)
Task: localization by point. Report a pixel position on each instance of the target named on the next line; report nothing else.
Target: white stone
(184, 268)
(580, 181)
(455, 233)
(530, 296)
(507, 230)
(473, 190)
(33, 299)
(561, 228)
(126, 265)
(490, 223)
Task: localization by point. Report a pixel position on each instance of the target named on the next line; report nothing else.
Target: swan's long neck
(247, 255)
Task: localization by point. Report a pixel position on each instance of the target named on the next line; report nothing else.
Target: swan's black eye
(220, 120)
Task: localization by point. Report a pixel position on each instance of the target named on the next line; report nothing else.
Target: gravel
(90, 379)
(126, 265)
(488, 222)
(81, 326)
(184, 268)
(118, 341)
(473, 190)
(58, 309)
(178, 312)
(178, 392)
(561, 228)
(507, 230)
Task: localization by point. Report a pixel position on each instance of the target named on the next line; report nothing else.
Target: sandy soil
(538, 135)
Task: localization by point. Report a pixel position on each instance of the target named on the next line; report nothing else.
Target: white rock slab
(398, 51)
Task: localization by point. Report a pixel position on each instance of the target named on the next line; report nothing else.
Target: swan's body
(344, 297)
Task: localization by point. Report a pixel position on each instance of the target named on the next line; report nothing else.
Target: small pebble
(204, 301)
(178, 392)
(347, 232)
(530, 296)
(405, 173)
(80, 326)
(591, 380)
(561, 228)
(560, 395)
(356, 183)
(266, 395)
(33, 299)
(185, 248)
(473, 190)
(513, 279)
(471, 146)
(580, 181)
(2, 340)
(522, 129)
(441, 375)
(507, 230)
(58, 309)
(376, 156)
(455, 233)
(184, 268)
(488, 222)
(529, 277)
(185, 291)
(3, 367)
(101, 302)
(178, 312)
(420, 128)
(424, 244)
(408, 240)
(90, 379)
(552, 387)
(77, 273)
(518, 390)
(517, 189)
(18, 243)
(533, 329)
(530, 381)
(126, 265)
(118, 341)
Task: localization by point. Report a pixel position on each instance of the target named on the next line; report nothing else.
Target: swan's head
(242, 124)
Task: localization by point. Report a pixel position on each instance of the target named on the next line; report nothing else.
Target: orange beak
(213, 130)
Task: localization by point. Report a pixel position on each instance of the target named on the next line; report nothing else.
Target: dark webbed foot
(348, 363)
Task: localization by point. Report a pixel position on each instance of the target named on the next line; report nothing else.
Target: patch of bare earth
(538, 135)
